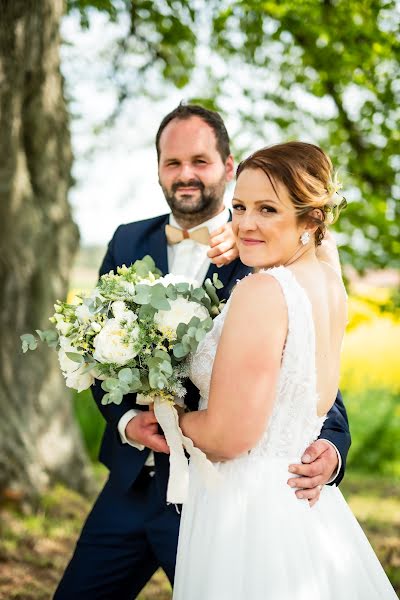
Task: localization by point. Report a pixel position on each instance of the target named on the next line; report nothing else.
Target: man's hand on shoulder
(143, 429)
(223, 249)
(320, 461)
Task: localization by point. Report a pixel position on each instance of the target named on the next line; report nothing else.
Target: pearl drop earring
(305, 238)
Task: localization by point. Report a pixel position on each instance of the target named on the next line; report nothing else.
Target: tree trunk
(39, 440)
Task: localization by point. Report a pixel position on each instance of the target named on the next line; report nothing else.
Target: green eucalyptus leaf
(125, 375)
(211, 291)
(116, 396)
(109, 384)
(76, 357)
(49, 336)
(217, 282)
(106, 399)
(200, 335)
(29, 342)
(194, 322)
(207, 303)
(158, 298)
(198, 293)
(167, 367)
(161, 354)
(146, 311)
(137, 386)
(124, 388)
(193, 344)
(207, 324)
(145, 266)
(171, 292)
(180, 351)
(143, 294)
(181, 330)
(182, 287)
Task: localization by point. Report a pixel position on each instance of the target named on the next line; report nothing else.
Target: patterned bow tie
(175, 235)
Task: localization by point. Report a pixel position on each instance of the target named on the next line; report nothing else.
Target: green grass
(34, 548)
(374, 417)
(90, 420)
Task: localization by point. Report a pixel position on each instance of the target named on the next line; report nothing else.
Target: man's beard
(194, 211)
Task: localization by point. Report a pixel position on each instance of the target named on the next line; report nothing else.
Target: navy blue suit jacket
(129, 243)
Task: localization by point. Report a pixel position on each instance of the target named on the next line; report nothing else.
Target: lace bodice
(294, 422)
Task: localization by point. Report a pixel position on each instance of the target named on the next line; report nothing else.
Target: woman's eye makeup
(265, 209)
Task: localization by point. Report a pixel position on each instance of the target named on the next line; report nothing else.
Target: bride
(268, 372)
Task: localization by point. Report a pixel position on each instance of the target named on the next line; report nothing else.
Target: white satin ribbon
(178, 483)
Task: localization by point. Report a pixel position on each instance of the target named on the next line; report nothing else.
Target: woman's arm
(245, 371)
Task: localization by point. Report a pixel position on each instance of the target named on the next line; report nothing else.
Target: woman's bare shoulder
(258, 288)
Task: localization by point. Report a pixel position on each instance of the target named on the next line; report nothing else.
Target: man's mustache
(192, 183)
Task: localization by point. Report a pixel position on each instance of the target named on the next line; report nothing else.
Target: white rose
(65, 343)
(77, 380)
(182, 311)
(97, 375)
(72, 370)
(109, 344)
(66, 363)
(83, 313)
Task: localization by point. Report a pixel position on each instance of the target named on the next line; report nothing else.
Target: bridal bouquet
(135, 332)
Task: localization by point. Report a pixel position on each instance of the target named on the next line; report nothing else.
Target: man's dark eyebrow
(172, 158)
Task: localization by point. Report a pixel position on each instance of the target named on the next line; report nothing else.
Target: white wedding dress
(247, 537)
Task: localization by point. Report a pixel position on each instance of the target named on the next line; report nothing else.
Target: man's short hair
(212, 118)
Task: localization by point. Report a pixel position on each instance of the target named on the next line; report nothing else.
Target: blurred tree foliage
(324, 70)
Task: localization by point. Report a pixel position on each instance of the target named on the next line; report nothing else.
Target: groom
(131, 531)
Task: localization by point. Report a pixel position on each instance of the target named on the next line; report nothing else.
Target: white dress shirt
(189, 259)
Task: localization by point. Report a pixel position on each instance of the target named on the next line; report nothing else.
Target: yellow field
(371, 357)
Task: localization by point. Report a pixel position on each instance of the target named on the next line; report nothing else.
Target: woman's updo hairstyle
(307, 173)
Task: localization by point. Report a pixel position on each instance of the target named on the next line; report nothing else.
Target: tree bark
(39, 440)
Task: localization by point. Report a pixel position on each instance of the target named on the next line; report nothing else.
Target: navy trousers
(125, 538)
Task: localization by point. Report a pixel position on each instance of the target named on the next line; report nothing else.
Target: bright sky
(117, 183)
(116, 170)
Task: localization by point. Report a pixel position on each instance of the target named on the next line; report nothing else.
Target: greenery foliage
(325, 70)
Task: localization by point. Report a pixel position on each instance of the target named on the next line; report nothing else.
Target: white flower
(118, 307)
(96, 327)
(72, 371)
(77, 380)
(62, 326)
(128, 287)
(122, 313)
(97, 375)
(83, 313)
(109, 344)
(182, 311)
(65, 343)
